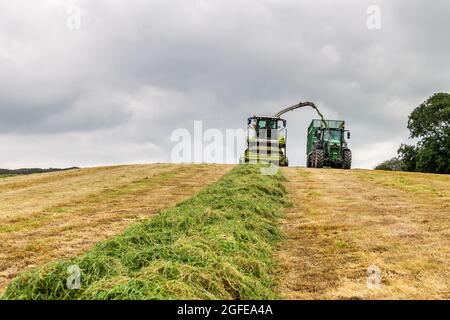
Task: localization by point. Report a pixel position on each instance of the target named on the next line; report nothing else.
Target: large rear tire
(318, 158)
(347, 159)
(308, 161)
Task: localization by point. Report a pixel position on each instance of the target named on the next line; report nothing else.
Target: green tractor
(326, 145)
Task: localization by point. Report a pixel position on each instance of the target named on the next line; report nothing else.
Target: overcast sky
(113, 90)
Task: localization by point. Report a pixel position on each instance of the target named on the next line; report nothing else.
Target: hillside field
(59, 215)
(220, 231)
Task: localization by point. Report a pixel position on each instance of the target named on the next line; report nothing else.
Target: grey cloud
(141, 70)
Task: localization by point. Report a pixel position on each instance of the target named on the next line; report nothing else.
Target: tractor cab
(332, 136)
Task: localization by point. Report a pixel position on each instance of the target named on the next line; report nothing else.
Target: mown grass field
(58, 215)
(344, 222)
(6, 176)
(205, 232)
(217, 245)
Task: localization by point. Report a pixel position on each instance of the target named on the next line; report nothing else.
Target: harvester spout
(301, 105)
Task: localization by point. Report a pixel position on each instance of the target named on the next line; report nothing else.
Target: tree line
(31, 170)
(429, 123)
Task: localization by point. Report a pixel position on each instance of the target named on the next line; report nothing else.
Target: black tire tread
(347, 159)
(318, 158)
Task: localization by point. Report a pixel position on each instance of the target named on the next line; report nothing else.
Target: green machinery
(266, 141)
(267, 137)
(326, 145)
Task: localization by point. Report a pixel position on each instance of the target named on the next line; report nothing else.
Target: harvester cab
(266, 141)
(327, 146)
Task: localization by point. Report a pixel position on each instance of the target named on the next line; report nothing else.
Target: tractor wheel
(318, 158)
(308, 161)
(347, 159)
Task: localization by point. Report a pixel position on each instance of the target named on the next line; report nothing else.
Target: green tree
(407, 155)
(430, 123)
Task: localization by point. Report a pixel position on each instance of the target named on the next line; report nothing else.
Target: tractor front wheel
(318, 158)
(347, 159)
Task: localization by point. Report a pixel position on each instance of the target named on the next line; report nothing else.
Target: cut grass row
(217, 245)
